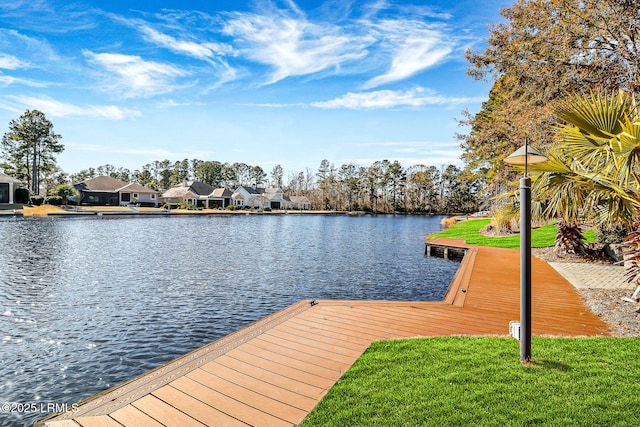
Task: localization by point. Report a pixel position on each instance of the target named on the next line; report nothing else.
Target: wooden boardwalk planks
(274, 372)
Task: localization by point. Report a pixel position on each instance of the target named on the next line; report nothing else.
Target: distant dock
(445, 251)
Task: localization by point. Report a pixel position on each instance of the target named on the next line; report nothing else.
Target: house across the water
(201, 195)
(108, 191)
(8, 187)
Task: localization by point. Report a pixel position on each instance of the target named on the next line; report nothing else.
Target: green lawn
(469, 230)
(455, 381)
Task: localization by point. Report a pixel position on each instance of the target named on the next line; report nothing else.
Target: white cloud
(35, 49)
(10, 62)
(415, 47)
(293, 46)
(171, 103)
(410, 153)
(60, 109)
(198, 50)
(134, 77)
(210, 52)
(187, 44)
(417, 97)
(372, 9)
(48, 16)
(8, 80)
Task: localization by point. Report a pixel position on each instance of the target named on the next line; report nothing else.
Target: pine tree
(29, 148)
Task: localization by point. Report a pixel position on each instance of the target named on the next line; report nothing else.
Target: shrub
(54, 200)
(504, 218)
(22, 195)
(64, 191)
(37, 200)
(611, 235)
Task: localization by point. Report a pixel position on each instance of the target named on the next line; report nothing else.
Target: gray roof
(221, 192)
(177, 192)
(108, 184)
(100, 183)
(200, 188)
(252, 190)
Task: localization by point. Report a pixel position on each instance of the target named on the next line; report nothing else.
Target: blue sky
(264, 82)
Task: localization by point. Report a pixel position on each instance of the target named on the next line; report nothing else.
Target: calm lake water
(88, 303)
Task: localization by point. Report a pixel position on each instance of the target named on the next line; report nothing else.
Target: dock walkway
(275, 371)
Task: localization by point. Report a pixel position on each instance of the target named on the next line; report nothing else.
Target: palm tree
(593, 172)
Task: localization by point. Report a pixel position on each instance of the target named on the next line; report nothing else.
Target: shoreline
(125, 211)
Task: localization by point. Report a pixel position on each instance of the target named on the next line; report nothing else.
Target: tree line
(29, 147)
(384, 186)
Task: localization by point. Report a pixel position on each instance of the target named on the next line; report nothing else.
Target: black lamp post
(524, 156)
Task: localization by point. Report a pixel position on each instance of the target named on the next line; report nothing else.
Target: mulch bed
(623, 317)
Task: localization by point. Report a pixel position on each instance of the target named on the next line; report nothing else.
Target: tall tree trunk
(35, 185)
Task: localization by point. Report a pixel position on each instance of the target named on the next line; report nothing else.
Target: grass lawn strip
(469, 230)
(450, 381)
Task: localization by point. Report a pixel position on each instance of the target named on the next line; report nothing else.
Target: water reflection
(88, 303)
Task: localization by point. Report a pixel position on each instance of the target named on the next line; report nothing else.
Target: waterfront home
(276, 199)
(108, 191)
(300, 202)
(220, 198)
(8, 186)
(261, 198)
(194, 193)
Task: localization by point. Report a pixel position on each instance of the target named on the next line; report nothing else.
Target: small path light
(525, 155)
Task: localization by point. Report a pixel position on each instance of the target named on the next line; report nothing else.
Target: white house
(260, 198)
(8, 185)
(300, 202)
(247, 196)
(276, 199)
(195, 193)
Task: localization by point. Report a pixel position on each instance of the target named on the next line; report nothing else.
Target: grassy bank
(447, 381)
(469, 230)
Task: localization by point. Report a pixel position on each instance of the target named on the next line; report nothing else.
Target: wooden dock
(444, 251)
(274, 372)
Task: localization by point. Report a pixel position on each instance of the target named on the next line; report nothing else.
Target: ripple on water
(87, 304)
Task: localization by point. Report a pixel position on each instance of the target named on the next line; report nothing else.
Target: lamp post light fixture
(525, 155)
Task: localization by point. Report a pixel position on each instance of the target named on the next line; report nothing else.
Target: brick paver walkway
(593, 276)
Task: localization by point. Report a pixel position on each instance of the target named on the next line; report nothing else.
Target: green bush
(231, 208)
(611, 235)
(54, 200)
(64, 191)
(267, 209)
(22, 195)
(36, 200)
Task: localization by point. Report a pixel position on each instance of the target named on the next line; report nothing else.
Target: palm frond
(597, 115)
(627, 148)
